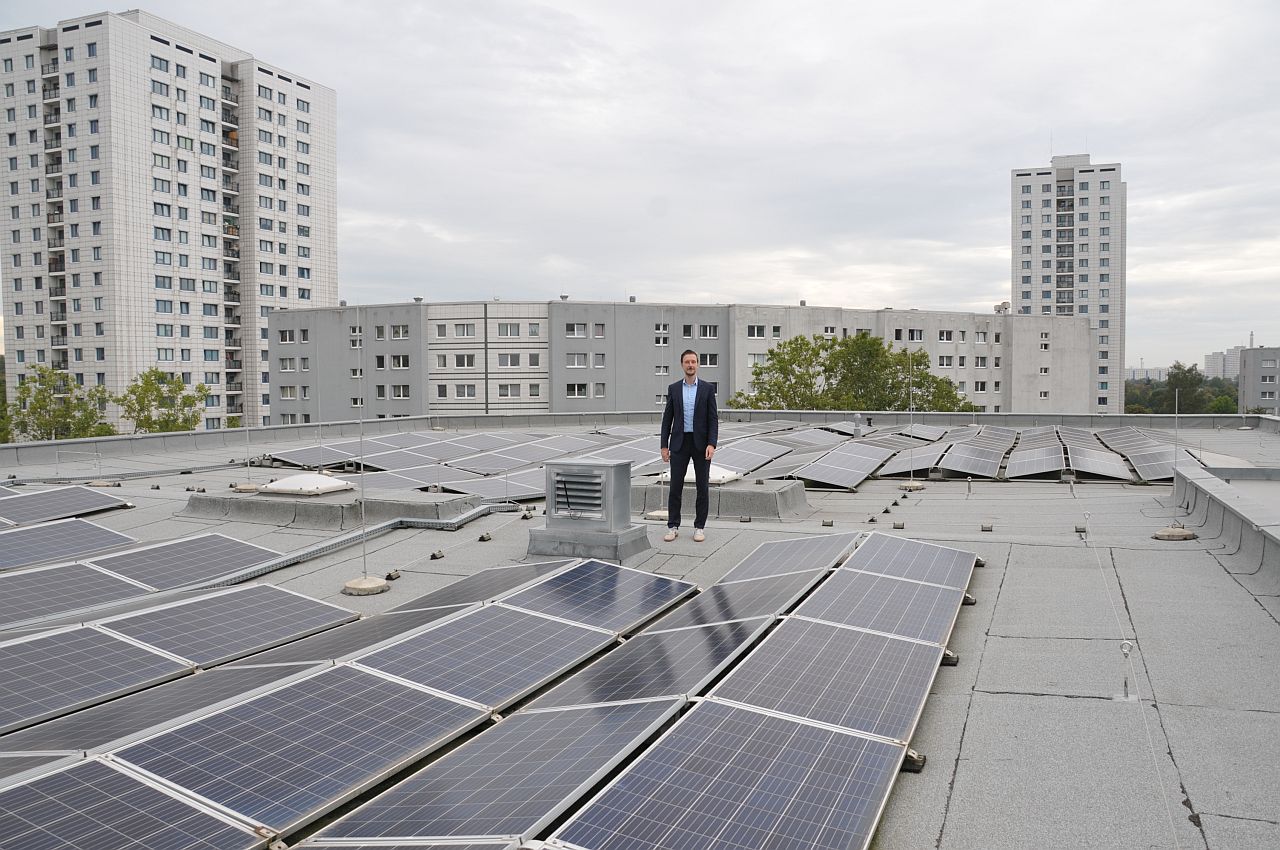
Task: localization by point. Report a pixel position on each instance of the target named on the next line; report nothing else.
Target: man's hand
(666, 455)
(711, 450)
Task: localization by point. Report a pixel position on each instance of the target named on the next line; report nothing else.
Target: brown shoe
(671, 534)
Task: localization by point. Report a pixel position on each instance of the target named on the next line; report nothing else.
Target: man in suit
(690, 430)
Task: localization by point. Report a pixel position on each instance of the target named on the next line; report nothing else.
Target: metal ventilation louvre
(589, 495)
(579, 493)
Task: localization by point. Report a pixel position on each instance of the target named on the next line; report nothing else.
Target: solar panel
(925, 432)
(742, 456)
(901, 558)
(317, 456)
(286, 756)
(847, 465)
(28, 508)
(529, 484)
(800, 554)
(1036, 461)
(728, 778)
(350, 638)
(396, 460)
(813, 437)
(839, 676)
(100, 725)
(787, 464)
(93, 805)
(657, 664)
(1098, 462)
(916, 458)
(52, 674)
(62, 540)
(434, 845)
(491, 656)
(42, 592)
(407, 479)
(11, 766)
(1158, 463)
(889, 605)
(762, 597)
(971, 459)
(602, 595)
(484, 585)
(223, 626)
(643, 453)
(510, 780)
(181, 563)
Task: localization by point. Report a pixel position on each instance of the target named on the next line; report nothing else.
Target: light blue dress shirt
(690, 396)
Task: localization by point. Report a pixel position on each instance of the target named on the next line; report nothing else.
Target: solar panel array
(915, 459)
(190, 562)
(812, 437)
(1036, 461)
(602, 595)
(802, 554)
(59, 502)
(740, 600)
(847, 465)
(743, 456)
(1153, 460)
(1097, 461)
(979, 454)
(484, 585)
(799, 744)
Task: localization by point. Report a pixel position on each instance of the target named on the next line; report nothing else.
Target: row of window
(1083, 186)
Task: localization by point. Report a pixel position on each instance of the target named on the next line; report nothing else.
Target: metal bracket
(949, 658)
(913, 762)
(969, 599)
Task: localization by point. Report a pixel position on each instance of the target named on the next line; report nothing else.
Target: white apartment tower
(1068, 231)
(164, 192)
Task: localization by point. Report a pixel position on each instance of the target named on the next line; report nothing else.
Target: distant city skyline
(730, 153)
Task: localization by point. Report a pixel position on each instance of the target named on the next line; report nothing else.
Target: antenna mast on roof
(365, 585)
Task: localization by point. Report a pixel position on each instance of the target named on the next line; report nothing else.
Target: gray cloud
(765, 151)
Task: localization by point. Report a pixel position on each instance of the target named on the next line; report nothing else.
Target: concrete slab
(1053, 591)
(1017, 785)
(1229, 760)
(1236, 834)
(1059, 666)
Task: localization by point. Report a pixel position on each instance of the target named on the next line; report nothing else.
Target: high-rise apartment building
(1068, 232)
(164, 193)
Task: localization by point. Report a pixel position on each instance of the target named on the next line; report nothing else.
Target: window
(464, 390)
(508, 391)
(464, 361)
(467, 329)
(661, 334)
(1267, 394)
(575, 390)
(597, 360)
(400, 361)
(1044, 346)
(944, 336)
(755, 331)
(508, 329)
(1267, 379)
(598, 390)
(535, 328)
(399, 331)
(709, 359)
(508, 361)
(575, 360)
(979, 386)
(945, 360)
(663, 369)
(575, 329)
(708, 331)
(1044, 394)
(597, 330)
(915, 334)
(400, 391)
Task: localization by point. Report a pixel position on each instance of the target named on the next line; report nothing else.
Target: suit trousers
(702, 476)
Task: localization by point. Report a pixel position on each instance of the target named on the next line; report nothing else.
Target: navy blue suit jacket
(706, 418)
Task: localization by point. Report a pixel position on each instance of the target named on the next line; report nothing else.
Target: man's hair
(686, 353)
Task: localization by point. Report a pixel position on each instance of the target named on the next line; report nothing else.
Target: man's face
(690, 365)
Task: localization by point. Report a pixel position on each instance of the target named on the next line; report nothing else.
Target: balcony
(60, 362)
(58, 341)
(231, 139)
(53, 194)
(53, 168)
(49, 69)
(1066, 191)
(235, 408)
(54, 117)
(59, 316)
(57, 244)
(54, 218)
(229, 96)
(233, 253)
(231, 209)
(234, 365)
(230, 295)
(231, 230)
(1067, 205)
(53, 144)
(230, 117)
(230, 319)
(1066, 281)
(1066, 251)
(57, 266)
(230, 163)
(58, 290)
(230, 186)
(228, 274)
(50, 93)
(235, 387)
(232, 342)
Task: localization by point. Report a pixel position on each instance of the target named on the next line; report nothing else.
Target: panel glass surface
(219, 628)
(30, 594)
(350, 638)
(847, 465)
(656, 664)
(100, 725)
(93, 807)
(47, 676)
(916, 458)
(838, 676)
(530, 484)
(1036, 461)
(284, 755)
(972, 459)
(890, 605)
(602, 595)
(727, 778)
(897, 556)
(740, 600)
(13, 765)
(509, 779)
(490, 656)
(1098, 462)
(27, 508)
(790, 556)
(186, 562)
(484, 585)
(56, 541)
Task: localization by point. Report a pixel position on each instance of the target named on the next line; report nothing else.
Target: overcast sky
(849, 153)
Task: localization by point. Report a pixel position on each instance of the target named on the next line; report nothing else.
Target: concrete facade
(1069, 237)
(590, 357)
(1223, 364)
(138, 154)
(1259, 380)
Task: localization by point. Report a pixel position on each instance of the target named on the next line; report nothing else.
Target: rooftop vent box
(589, 512)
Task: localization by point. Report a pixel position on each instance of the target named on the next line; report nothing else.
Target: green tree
(156, 402)
(50, 406)
(859, 372)
(1222, 404)
(1184, 390)
(5, 436)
